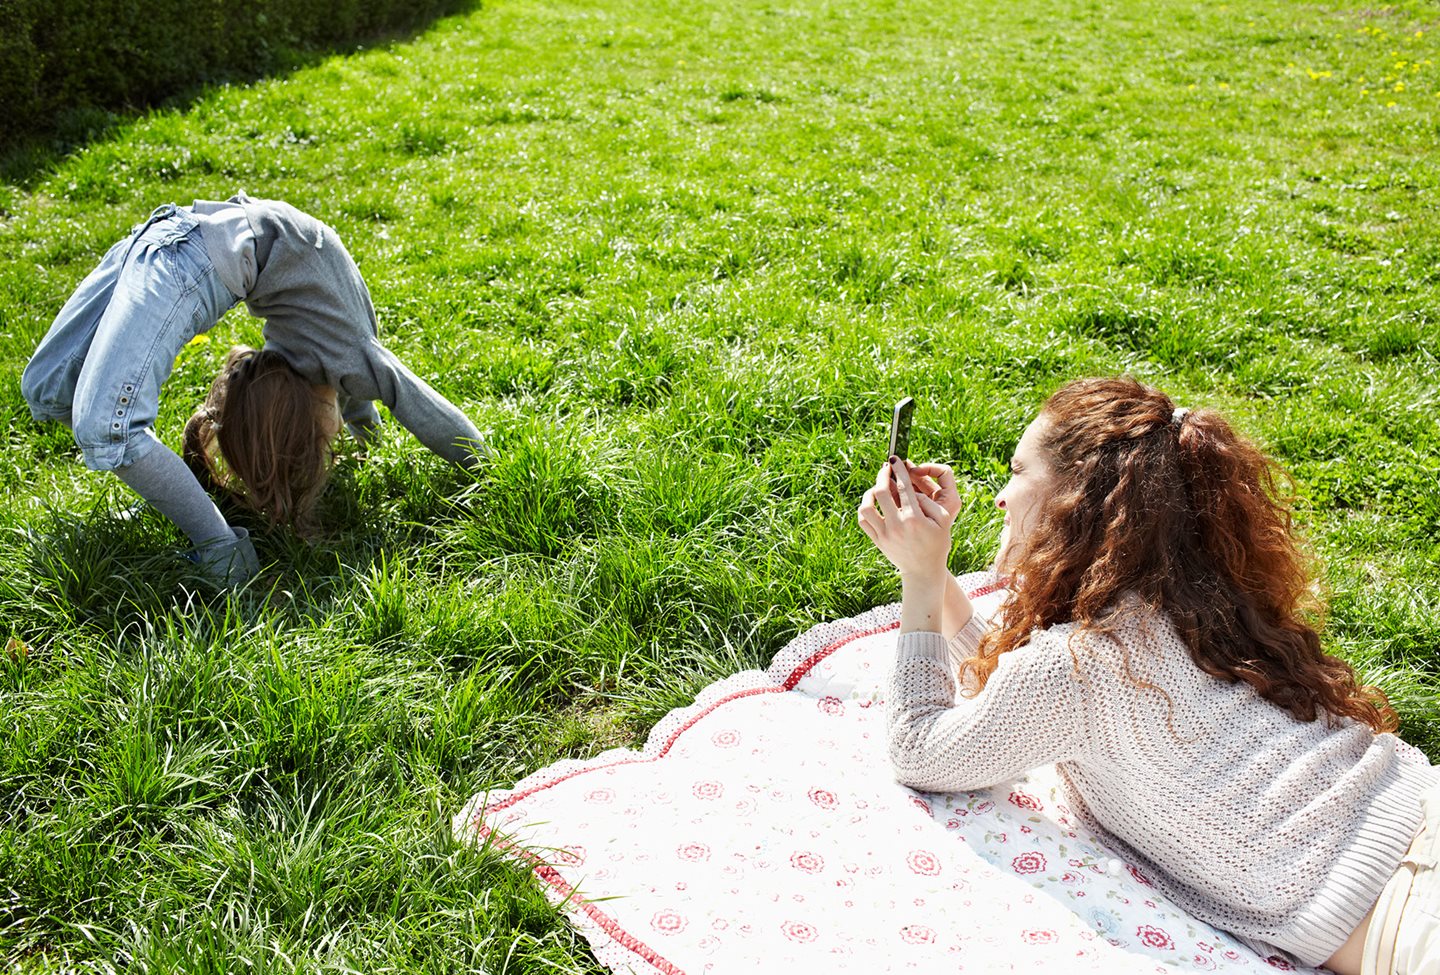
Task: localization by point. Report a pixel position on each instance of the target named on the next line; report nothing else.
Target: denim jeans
(100, 367)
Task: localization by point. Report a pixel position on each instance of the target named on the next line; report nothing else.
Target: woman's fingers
(866, 511)
(882, 493)
(924, 483)
(940, 473)
(935, 510)
(906, 490)
(945, 491)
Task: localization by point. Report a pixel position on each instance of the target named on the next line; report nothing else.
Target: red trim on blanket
(811, 661)
(515, 797)
(985, 590)
(549, 875)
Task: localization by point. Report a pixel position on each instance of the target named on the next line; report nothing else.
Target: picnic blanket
(761, 829)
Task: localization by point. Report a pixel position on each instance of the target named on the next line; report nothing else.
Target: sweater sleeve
(1028, 713)
(433, 419)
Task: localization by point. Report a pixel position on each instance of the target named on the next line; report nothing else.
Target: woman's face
(1031, 481)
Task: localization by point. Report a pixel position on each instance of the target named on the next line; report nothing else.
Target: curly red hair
(1187, 516)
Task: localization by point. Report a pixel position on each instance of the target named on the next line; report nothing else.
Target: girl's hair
(274, 454)
(1177, 510)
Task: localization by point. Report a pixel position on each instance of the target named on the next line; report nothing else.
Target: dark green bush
(61, 59)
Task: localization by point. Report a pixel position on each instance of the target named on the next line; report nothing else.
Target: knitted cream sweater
(1277, 830)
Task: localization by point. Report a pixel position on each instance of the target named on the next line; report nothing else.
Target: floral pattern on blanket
(760, 829)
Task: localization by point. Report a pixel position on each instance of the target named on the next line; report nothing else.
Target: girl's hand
(911, 527)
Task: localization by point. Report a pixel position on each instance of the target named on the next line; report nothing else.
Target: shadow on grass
(117, 573)
(24, 157)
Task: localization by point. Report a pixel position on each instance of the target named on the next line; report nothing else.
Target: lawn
(676, 261)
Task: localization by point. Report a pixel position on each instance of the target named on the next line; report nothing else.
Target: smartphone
(900, 429)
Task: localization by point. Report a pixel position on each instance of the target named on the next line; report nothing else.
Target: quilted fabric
(760, 829)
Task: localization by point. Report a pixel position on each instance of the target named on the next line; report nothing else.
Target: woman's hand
(909, 519)
(936, 482)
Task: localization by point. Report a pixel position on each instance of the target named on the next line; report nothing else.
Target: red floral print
(1025, 801)
(807, 862)
(823, 798)
(1275, 961)
(708, 790)
(600, 795)
(668, 922)
(923, 862)
(728, 738)
(917, 934)
(831, 705)
(1032, 862)
(1033, 937)
(573, 856)
(799, 931)
(1153, 937)
(1139, 877)
(693, 852)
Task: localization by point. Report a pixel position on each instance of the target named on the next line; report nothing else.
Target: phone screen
(900, 429)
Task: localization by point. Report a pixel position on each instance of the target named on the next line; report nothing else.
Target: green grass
(677, 262)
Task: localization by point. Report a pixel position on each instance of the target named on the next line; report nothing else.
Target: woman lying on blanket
(1156, 646)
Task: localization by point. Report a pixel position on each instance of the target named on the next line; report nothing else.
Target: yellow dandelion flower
(1391, 104)
(1364, 91)
(1399, 86)
(1191, 87)
(200, 339)
(1224, 86)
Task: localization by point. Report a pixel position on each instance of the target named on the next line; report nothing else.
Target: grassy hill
(677, 263)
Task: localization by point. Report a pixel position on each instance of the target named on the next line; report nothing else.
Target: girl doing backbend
(263, 435)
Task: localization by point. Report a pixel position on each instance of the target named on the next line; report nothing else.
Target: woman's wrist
(957, 610)
(923, 600)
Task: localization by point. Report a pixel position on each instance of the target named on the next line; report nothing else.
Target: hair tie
(1178, 417)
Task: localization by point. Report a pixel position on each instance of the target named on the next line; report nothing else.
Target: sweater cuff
(922, 645)
(966, 642)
